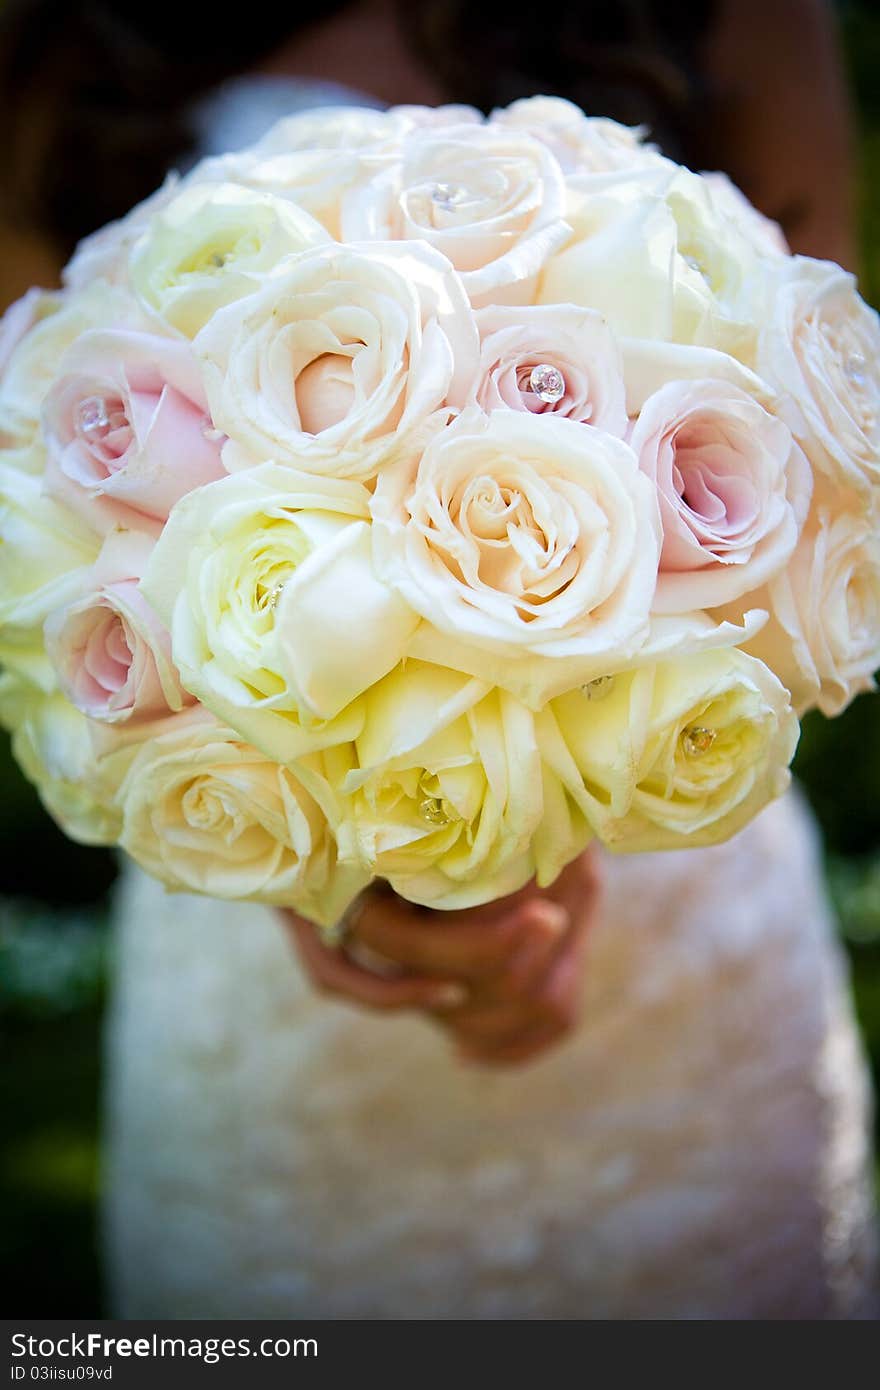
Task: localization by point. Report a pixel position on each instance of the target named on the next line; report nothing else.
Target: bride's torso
(696, 1149)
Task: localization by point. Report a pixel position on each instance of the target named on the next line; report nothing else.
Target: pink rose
(557, 358)
(111, 653)
(734, 490)
(128, 423)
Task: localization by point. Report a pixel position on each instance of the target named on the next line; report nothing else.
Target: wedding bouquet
(416, 496)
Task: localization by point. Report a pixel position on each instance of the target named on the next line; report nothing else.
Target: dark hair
(96, 96)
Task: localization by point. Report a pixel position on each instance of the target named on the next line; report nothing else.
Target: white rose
(734, 491)
(213, 244)
(312, 157)
(206, 813)
(492, 200)
(682, 753)
(266, 581)
(658, 258)
(445, 796)
(346, 358)
(765, 235)
(823, 640)
(523, 536)
(649, 365)
(581, 144)
(44, 553)
(820, 346)
(551, 358)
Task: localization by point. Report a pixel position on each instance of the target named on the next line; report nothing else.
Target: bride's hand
(504, 979)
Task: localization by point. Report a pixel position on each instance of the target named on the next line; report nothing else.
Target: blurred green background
(54, 944)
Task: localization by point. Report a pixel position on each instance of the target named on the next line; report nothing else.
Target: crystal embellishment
(697, 740)
(93, 414)
(447, 195)
(547, 382)
(855, 369)
(696, 265)
(431, 810)
(597, 689)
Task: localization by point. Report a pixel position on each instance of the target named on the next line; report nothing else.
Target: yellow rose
(265, 580)
(680, 753)
(443, 792)
(45, 551)
(51, 742)
(212, 244)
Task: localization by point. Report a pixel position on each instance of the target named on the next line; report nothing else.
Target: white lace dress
(697, 1149)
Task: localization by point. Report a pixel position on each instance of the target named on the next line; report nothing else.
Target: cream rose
(267, 583)
(649, 365)
(659, 259)
(820, 346)
(765, 235)
(581, 144)
(206, 813)
(557, 359)
(823, 639)
(523, 536)
(44, 553)
(212, 244)
(734, 491)
(685, 752)
(111, 653)
(311, 158)
(348, 357)
(492, 200)
(445, 795)
(127, 427)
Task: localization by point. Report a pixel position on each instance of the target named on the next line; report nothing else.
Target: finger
(530, 962)
(471, 949)
(581, 882)
(333, 973)
(525, 1047)
(551, 1001)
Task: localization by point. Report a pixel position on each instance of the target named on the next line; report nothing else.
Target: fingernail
(450, 996)
(555, 917)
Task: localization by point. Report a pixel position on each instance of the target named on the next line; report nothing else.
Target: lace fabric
(697, 1149)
